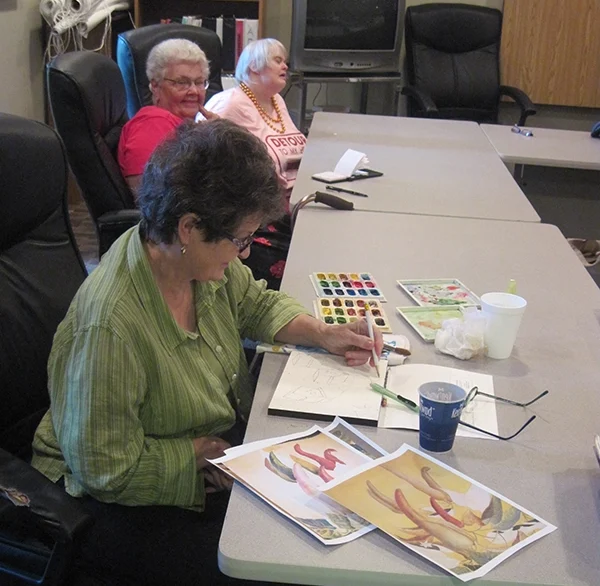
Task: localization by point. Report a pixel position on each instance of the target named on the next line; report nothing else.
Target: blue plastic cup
(440, 406)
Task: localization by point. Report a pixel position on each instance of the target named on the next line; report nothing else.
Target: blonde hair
(256, 56)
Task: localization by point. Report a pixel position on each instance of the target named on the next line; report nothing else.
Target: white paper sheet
(351, 436)
(287, 473)
(349, 162)
(405, 380)
(323, 386)
(437, 512)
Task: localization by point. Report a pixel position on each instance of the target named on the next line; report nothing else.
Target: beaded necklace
(269, 121)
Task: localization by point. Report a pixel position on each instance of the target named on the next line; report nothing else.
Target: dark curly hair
(216, 170)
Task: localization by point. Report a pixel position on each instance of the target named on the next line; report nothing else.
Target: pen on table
(342, 190)
(387, 393)
(369, 317)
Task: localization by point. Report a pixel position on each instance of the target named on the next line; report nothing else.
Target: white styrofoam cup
(503, 313)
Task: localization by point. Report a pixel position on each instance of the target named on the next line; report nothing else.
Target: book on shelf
(234, 33)
(228, 56)
(209, 22)
(219, 28)
(239, 38)
(250, 30)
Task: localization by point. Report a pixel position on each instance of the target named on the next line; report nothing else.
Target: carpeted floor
(85, 234)
(569, 199)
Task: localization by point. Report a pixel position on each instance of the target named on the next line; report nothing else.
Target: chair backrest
(132, 53)
(40, 271)
(87, 97)
(453, 54)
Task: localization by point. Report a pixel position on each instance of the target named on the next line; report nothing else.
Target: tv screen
(359, 25)
(338, 36)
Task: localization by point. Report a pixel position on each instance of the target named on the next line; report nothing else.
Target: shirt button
(238, 400)
(234, 377)
(219, 349)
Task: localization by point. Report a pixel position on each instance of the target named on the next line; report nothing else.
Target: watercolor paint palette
(439, 292)
(340, 310)
(358, 285)
(426, 321)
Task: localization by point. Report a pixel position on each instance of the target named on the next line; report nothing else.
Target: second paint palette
(357, 285)
(339, 310)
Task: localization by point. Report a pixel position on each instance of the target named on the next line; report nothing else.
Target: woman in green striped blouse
(147, 374)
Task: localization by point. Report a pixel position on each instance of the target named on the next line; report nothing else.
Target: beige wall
(21, 73)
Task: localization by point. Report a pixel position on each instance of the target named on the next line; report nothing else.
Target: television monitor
(344, 36)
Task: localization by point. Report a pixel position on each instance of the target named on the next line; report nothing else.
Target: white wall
(21, 62)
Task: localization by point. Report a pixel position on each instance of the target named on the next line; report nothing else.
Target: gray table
(431, 167)
(547, 147)
(549, 469)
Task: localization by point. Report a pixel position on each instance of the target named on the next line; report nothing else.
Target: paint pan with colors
(359, 285)
(339, 310)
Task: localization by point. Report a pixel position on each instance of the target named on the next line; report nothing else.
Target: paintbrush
(396, 349)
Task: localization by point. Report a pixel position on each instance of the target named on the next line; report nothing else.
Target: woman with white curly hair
(178, 72)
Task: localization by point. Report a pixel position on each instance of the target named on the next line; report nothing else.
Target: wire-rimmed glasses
(475, 391)
(183, 84)
(241, 243)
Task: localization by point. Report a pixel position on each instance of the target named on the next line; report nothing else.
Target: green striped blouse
(129, 388)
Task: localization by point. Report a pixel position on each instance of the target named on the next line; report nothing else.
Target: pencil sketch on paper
(310, 395)
(323, 384)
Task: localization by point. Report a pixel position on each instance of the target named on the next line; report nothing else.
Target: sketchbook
(321, 386)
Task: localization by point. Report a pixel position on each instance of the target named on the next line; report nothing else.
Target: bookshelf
(152, 11)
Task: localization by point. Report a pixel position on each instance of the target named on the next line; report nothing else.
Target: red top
(141, 135)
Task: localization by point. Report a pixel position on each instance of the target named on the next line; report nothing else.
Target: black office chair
(453, 64)
(132, 53)
(87, 97)
(40, 271)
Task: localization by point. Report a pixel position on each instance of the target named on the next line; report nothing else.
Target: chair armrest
(39, 522)
(112, 224)
(63, 513)
(126, 218)
(424, 100)
(522, 100)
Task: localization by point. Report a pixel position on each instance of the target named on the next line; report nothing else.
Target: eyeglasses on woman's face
(183, 84)
(241, 243)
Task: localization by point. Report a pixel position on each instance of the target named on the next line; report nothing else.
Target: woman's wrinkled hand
(208, 448)
(352, 341)
(215, 480)
(208, 114)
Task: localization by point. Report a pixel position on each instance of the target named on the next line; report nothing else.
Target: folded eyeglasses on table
(475, 391)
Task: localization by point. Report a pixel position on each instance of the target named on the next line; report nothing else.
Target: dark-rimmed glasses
(184, 83)
(475, 391)
(241, 243)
